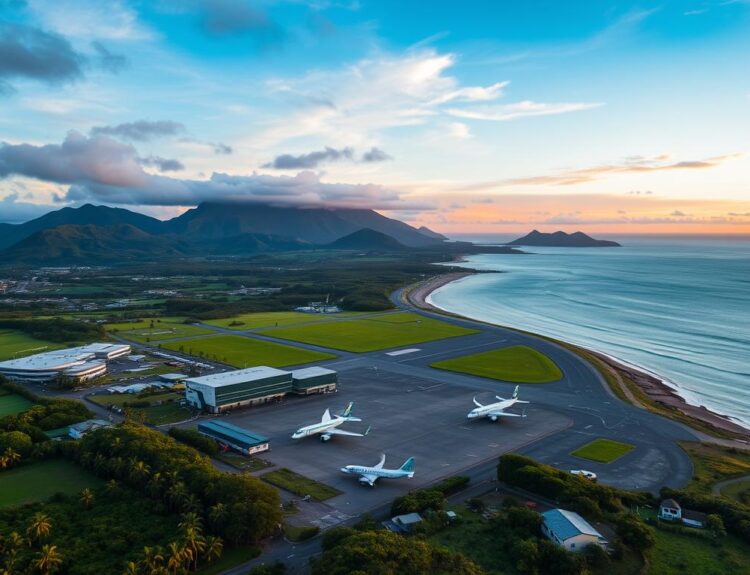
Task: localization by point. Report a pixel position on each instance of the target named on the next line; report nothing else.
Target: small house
(78, 430)
(569, 530)
(670, 510)
(403, 523)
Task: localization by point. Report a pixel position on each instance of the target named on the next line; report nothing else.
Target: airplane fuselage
(315, 428)
(486, 410)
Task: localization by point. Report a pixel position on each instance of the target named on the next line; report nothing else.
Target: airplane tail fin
(408, 465)
(515, 392)
(367, 431)
(349, 409)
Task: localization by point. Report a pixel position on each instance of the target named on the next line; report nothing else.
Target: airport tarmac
(408, 417)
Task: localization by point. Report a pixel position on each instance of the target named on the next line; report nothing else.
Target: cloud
(309, 161)
(141, 130)
(27, 52)
(100, 168)
(109, 60)
(162, 164)
(629, 166)
(739, 214)
(221, 18)
(375, 155)
(678, 214)
(221, 149)
(14, 212)
(523, 109)
(91, 19)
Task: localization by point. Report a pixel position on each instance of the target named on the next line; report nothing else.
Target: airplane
(497, 409)
(369, 475)
(328, 425)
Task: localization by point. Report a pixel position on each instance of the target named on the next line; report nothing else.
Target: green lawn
(299, 484)
(165, 413)
(38, 481)
(120, 398)
(517, 364)
(10, 404)
(245, 352)
(15, 344)
(157, 329)
(678, 554)
(271, 319)
(603, 450)
(740, 492)
(371, 334)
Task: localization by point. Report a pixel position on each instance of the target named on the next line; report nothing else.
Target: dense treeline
(240, 508)
(432, 499)
(350, 552)
(590, 499)
(57, 330)
(194, 438)
(734, 516)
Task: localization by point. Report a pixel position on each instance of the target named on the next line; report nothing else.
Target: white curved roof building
(80, 363)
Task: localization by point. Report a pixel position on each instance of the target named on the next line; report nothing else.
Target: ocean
(677, 307)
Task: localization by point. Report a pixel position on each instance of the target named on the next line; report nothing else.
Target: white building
(570, 530)
(78, 430)
(78, 363)
(670, 510)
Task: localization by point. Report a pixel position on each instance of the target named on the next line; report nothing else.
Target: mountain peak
(562, 240)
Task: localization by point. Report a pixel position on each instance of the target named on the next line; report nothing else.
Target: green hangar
(220, 392)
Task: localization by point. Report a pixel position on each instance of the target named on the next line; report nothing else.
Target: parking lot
(408, 417)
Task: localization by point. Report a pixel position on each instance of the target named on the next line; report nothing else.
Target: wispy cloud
(506, 112)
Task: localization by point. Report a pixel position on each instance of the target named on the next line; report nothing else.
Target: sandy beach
(651, 385)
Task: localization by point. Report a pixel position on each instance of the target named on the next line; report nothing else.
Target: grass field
(678, 554)
(38, 481)
(10, 404)
(603, 450)
(157, 329)
(371, 334)
(15, 344)
(299, 484)
(271, 319)
(120, 398)
(517, 364)
(165, 413)
(245, 352)
(713, 463)
(740, 492)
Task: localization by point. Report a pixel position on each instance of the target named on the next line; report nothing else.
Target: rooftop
(311, 372)
(237, 376)
(232, 431)
(61, 358)
(671, 503)
(566, 524)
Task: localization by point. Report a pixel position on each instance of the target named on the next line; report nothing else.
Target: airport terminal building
(79, 364)
(232, 389)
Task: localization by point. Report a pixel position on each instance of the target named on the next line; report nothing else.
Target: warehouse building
(79, 364)
(313, 380)
(255, 385)
(237, 438)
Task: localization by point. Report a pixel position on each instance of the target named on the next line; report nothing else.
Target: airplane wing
(326, 416)
(336, 431)
(503, 414)
(381, 462)
(477, 403)
(500, 398)
(371, 479)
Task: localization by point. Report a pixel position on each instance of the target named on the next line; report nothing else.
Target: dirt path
(716, 488)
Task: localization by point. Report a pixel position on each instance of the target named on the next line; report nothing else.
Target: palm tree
(177, 494)
(154, 485)
(138, 471)
(11, 456)
(48, 560)
(87, 498)
(153, 559)
(190, 520)
(11, 546)
(216, 515)
(132, 569)
(39, 527)
(195, 542)
(176, 558)
(214, 548)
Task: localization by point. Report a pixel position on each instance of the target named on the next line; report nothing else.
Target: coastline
(654, 389)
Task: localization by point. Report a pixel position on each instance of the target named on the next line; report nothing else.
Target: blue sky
(464, 116)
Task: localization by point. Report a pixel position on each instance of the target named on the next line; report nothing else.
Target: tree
(39, 527)
(214, 548)
(87, 498)
(48, 560)
(176, 558)
(715, 525)
(635, 534)
(17, 441)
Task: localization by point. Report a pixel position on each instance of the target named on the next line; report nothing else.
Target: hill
(425, 231)
(87, 214)
(367, 240)
(86, 244)
(562, 240)
(313, 225)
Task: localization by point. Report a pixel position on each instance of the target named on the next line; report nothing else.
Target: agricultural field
(372, 333)
(247, 321)
(32, 482)
(603, 450)
(516, 364)
(156, 329)
(14, 344)
(299, 484)
(10, 404)
(245, 352)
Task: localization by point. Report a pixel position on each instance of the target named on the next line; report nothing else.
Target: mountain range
(104, 234)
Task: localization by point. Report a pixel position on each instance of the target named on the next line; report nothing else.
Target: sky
(467, 117)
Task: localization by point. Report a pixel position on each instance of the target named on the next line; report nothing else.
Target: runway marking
(454, 350)
(402, 351)
(589, 426)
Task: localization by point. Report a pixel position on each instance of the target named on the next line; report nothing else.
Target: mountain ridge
(561, 239)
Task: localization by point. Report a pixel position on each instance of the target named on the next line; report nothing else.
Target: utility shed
(569, 530)
(238, 438)
(314, 380)
(222, 391)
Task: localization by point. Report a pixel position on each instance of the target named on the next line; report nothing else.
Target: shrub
(452, 485)
(195, 439)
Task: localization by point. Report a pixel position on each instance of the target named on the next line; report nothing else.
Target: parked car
(590, 475)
